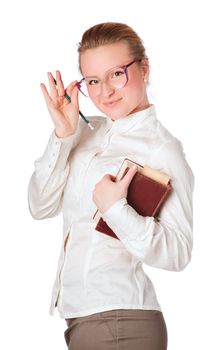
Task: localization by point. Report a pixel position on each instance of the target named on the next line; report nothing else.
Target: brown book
(146, 193)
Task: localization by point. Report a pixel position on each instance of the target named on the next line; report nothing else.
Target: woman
(101, 289)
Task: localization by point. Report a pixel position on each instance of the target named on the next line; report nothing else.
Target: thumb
(109, 177)
(129, 175)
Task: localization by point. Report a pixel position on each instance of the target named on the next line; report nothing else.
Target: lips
(111, 103)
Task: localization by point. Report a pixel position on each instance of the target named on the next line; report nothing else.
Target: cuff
(56, 152)
(125, 221)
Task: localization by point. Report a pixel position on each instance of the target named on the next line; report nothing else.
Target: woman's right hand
(64, 114)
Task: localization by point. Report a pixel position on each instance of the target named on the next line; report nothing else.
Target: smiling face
(116, 103)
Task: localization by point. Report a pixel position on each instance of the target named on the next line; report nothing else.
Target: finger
(52, 85)
(74, 96)
(109, 177)
(129, 175)
(46, 94)
(105, 177)
(61, 90)
(112, 177)
(70, 87)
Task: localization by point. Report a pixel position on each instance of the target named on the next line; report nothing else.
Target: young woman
(101, 289)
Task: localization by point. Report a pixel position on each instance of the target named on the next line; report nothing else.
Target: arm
(46, 185)
(167, 242)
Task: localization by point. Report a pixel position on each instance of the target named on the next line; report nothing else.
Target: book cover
(146, 193)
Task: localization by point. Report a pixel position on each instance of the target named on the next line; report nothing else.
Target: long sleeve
(167, 242)
(45, 189)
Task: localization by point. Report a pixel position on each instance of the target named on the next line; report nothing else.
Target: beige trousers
(122, 329)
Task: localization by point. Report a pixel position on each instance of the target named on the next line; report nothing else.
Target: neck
(141, 107)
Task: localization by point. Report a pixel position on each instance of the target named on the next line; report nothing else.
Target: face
(116, 103)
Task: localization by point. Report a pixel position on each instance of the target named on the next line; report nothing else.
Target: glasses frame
(124, 67)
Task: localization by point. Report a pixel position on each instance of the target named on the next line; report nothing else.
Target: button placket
(106, 141)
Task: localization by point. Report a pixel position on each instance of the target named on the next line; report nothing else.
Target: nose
(106, 89)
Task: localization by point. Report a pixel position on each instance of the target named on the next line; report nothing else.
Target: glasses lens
(117, 78)
(91, 87)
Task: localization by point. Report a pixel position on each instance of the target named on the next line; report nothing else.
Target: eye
(92, 82)
(117, 73)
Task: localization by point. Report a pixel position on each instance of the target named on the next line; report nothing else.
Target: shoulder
(169, 155)
(171, 159)
(96, 121)
(160, 132)
(155, 136)
(166, 143)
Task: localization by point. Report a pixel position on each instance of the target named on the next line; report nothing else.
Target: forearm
(47, 182)
(156, 243)
(166, 243)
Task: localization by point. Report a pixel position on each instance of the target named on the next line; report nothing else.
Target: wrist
(61, 135)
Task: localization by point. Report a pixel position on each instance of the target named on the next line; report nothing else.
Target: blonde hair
(112, 32)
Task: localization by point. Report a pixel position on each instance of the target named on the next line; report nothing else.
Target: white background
(183, 42)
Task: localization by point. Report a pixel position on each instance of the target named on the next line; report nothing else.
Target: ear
(145, 68)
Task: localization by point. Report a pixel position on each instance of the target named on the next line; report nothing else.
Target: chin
(117, 112)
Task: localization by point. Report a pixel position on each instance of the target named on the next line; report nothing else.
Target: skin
(131, 98)
(96, 62)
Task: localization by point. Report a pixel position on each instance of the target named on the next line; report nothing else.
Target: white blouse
(97, 272)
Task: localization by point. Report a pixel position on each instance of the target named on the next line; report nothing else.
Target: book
(146, 193)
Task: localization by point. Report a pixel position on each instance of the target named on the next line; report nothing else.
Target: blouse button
(103, 145)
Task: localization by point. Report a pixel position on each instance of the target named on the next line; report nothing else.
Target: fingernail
(134, 167)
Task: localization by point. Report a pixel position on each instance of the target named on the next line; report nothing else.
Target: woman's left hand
(107, 191)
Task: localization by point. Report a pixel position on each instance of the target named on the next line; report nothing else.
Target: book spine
(168, 189)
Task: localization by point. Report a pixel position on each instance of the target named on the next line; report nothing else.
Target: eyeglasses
(116, 78)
